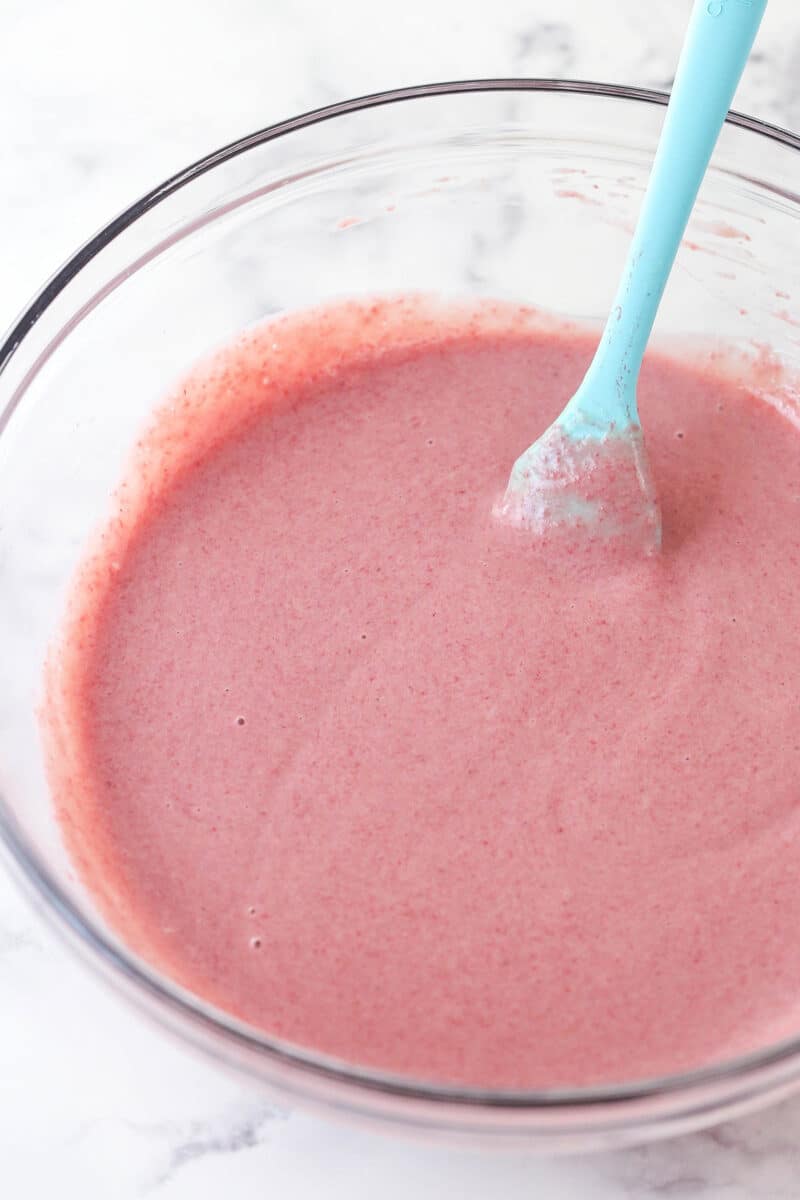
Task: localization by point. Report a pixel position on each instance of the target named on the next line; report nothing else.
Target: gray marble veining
(97, 103)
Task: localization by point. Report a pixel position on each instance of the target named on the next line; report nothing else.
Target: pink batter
(343, 755)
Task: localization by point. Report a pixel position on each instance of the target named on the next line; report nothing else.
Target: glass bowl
(518, 189)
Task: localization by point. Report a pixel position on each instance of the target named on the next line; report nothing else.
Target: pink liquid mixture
(340, 753)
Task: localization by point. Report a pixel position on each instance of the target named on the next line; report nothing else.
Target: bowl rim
(170, 997)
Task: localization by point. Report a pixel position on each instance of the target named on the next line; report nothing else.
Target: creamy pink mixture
(339, 752)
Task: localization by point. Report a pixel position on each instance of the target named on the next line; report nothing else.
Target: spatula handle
(715, 51)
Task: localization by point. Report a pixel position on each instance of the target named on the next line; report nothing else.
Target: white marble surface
(98, 101)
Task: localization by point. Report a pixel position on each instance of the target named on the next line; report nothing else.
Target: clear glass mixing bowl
(525, 189)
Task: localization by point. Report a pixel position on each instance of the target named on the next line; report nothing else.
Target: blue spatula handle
(717, 44)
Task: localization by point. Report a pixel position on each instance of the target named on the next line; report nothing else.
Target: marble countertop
(98, 102)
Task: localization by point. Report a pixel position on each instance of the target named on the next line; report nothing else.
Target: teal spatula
(598, 435)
